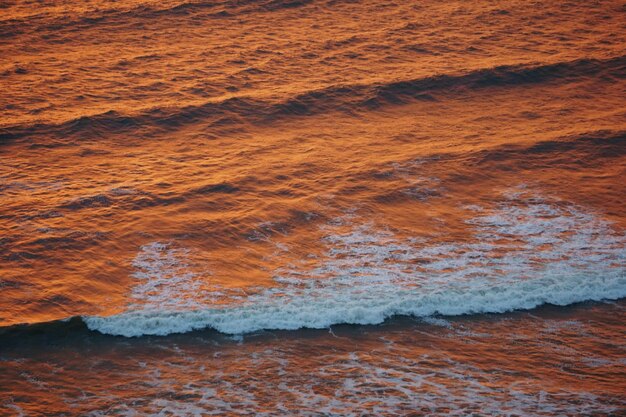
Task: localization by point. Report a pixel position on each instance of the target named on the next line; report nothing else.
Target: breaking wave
(526, 252)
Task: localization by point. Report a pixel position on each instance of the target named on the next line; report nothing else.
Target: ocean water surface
(316, 208)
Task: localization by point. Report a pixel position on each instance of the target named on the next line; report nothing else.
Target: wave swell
(68, 20)
(350, 99)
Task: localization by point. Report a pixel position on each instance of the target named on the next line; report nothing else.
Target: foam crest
(527, 251)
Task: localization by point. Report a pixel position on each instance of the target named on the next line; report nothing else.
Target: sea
(312, 208)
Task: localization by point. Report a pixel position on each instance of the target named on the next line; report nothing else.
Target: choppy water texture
(316, 208)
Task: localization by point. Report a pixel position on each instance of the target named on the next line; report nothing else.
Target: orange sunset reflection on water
(282, 207)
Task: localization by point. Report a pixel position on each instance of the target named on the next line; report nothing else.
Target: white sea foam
(164, 278)
(528, 252)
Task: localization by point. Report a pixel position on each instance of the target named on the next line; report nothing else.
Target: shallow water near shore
(545, 361)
